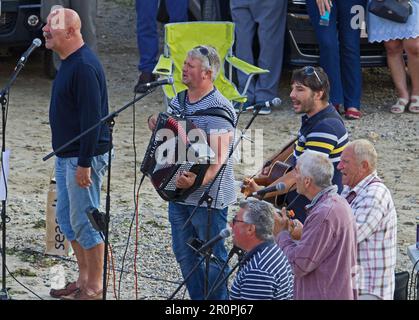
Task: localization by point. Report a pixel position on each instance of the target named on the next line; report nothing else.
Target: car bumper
(302, 49)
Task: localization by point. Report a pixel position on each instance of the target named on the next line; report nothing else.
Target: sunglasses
(205, 52)
(309, 71)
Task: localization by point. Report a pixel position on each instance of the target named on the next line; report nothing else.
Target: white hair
(364, 151)
(209, 61)
(316, 166)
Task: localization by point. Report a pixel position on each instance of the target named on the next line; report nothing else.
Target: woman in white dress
(399, 38)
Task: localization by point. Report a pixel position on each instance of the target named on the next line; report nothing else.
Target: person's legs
(271, 17)
(81, 263)
(327, 37)
(94, 258)
(411, 47)
(177, 10)
(350, 61)
(185, 255)
(395, 62)
(87, 11)
(147, 37)
(81, 200)
(245, 28)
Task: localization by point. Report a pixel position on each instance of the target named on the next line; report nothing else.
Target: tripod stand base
(4, 294)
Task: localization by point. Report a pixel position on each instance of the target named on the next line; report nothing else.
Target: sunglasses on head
(204, 51)
(309, 71)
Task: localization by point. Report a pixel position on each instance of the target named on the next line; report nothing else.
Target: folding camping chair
(181, 37)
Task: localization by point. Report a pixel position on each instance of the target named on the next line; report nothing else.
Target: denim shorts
(73, 202)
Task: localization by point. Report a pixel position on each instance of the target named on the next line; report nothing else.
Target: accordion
(176, 145)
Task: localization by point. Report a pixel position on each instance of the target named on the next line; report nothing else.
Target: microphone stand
(208, 199)
(4, 294)
(205, 255)
(217, 283)
(110, 121)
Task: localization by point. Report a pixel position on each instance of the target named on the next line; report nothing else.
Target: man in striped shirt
(376, 220)
(200, 69)
(322, 130)
(265, 273)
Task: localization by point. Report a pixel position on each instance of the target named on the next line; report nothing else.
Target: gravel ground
(28, 136)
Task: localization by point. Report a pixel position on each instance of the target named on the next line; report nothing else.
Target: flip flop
(352, 114)
(414, 104)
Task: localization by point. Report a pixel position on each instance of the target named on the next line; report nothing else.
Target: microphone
(149, 85)
(275, 102)
(97, 219)
(278, 187)
(225, 233)
(35, 44)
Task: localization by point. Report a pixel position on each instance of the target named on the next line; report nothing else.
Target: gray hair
(364, 151)
(261, 214)
(210, 60)
(316, 166)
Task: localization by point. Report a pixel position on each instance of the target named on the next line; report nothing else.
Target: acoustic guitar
(276, 167)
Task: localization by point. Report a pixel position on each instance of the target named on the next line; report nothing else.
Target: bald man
(87, 10)
(79, 100)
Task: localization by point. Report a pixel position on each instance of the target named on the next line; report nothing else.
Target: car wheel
(51, 64)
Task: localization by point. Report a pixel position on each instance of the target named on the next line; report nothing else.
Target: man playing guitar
(322, 130)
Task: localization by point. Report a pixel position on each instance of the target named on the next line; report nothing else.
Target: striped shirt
(265, 274)
(324, 132)
(222, 191)
(376, 221)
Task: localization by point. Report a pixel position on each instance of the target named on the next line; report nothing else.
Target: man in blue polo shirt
(322, 130)
(265, 273)
(78, 101)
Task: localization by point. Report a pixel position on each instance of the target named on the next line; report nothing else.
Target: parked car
(301, 46)
(20, 23)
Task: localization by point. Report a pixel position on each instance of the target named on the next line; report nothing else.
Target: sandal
(69, 288)
(352, 114)
(84, 295)
(399, 106)
(414, 106)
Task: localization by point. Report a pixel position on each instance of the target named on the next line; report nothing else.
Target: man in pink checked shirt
(376, 220)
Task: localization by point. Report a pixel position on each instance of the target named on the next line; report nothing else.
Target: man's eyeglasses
(205, 52)
(235, 220)
(309, 71)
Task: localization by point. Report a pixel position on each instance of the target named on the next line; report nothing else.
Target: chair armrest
(163, 66)
(245, 67)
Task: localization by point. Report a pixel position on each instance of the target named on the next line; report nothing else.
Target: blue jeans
(188, 258)
(74, 201)
(339, 51)
(147, 37)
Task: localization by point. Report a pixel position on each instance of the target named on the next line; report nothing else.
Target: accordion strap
(215, 111)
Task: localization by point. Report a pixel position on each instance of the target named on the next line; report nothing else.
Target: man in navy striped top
(265, 273)
(322, 130)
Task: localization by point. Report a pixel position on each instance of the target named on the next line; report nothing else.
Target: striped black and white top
(222, 191)
(264, 275)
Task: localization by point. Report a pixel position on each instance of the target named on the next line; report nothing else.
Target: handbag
(394, 10)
